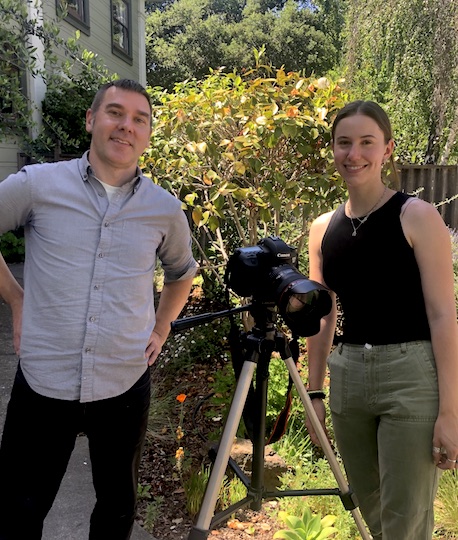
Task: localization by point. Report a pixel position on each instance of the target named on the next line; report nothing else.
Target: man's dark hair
(124, 84)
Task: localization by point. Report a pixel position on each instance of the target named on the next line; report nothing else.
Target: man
(94, 227)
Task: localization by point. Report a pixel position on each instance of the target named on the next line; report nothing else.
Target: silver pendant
(353, 233)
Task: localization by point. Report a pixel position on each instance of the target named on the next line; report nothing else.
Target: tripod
(262, 341)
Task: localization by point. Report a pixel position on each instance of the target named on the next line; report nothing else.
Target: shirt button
(92, 319)
(87, 350)
(107, 223)
(96, 287)
(100, 255)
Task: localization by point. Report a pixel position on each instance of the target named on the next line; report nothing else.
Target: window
(121, 28)
(77, 13)
(12, 85)
(6, 108)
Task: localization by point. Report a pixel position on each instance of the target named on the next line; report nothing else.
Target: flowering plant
(179, 454)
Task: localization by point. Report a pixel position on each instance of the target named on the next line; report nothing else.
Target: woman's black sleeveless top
(376, 277)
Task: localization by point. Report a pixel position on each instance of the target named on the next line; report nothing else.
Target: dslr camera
(268, 272)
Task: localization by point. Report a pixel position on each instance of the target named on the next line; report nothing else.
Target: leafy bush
(248, 154)
(12, 246)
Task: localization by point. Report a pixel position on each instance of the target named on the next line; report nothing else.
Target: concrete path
(69, 517)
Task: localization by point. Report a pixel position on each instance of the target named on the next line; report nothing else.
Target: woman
(394, 371)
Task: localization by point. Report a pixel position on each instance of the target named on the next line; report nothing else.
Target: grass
(446, 507)
(194, 487)
(309, 470)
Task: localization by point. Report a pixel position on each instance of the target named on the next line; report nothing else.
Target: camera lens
(302, 303)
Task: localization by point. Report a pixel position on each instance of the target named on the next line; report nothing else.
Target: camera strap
(281, 423)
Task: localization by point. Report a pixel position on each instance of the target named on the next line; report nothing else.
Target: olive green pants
(384, 403)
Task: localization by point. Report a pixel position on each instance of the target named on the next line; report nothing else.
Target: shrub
(12, 246)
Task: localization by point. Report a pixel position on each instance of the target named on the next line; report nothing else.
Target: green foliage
(204, 343)
(277, 389)
(64, 116)
(66, 101)
(12, 246)
(16, 54)
(404, 54)
(317, 474)
(295, 447)
(223, 391)
(186, 38)
(143, 491)
(298, 40)
(232, 490)
(246, 153)
(194, 487)
(307, 527)
(153, 511)
(447, 503)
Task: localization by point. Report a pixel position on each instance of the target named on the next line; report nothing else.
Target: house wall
(99, 38)
(8, 158)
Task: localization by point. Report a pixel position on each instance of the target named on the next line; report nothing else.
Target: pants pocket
(338, 382)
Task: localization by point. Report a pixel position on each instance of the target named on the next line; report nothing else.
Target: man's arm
(12, 293)
(173, 298)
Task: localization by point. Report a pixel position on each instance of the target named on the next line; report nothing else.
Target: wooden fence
(437, 184)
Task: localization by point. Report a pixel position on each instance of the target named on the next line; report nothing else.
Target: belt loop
(340, 347)
(403, 348)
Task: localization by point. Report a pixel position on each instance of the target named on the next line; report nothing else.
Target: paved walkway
(69, 517)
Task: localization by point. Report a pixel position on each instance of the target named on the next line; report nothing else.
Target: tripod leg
(201, 529)
(342, 483)
(259, 431)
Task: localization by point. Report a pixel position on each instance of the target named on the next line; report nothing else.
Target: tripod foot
(197, 534)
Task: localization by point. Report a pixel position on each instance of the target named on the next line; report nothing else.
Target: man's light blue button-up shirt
(88, 302)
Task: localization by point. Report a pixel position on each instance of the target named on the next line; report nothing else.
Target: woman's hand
(445, 441)
(320, 411)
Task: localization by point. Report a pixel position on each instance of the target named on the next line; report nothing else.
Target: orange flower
(181, 397)
(291, 112)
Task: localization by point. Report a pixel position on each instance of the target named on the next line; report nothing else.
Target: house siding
(8, 158)
(99, 40)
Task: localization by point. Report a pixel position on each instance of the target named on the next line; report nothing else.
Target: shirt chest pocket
(138, 245)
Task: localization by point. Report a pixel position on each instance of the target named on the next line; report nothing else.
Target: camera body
(251, 270)
(268, 273)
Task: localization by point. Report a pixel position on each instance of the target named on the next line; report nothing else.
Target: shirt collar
(86, 172)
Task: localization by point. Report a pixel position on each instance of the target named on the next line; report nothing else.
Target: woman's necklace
(366, 217)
